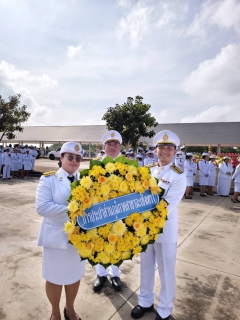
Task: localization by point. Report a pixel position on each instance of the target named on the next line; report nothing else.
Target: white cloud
(22, 81)
(167, 16)
(219, 76)
(72, 51)
(124, 3)
(135, 24)
(223, 13)
(225, 113)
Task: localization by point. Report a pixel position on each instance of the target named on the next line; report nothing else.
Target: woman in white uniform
(188, 170)
(61, 264)
(236, 178)
(212, 175)
(224, 178)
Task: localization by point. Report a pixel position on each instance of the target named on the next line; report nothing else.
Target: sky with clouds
(72, 59)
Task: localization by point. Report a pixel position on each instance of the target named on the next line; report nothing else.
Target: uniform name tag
(116, 209)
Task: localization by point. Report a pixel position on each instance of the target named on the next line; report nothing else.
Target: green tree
(12, 116)
(132, 120)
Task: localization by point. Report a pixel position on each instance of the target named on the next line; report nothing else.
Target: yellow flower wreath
(120, 240)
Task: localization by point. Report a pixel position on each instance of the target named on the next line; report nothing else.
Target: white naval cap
(183, 147)
(72, 147)
(179, 152)
(112, 135)
(150, 152)
(166, 137)
(205, 154)
(139, 156)
(151, 146)
(212, 156)
(189, 154)
(226, 157)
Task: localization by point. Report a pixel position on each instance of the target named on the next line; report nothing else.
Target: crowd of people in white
(17, 162)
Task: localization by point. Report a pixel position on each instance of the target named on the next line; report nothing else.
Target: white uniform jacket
(51, 203)
(212, 169)
(223, 169)
(6, 159)
(236, 175)
(179, 162)
(203, 167)
(188, 169)
(174, 185)
(148, 161)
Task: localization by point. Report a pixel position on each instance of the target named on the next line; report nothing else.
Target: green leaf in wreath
(69, 198)
(95, 163)
(84, 173)
(121, 159)
(107, 160)
(133, 163)
(74, 184)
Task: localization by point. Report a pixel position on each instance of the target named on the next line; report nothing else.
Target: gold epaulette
(151, 165)
(176, 169)
(49, 173)
(97, 158)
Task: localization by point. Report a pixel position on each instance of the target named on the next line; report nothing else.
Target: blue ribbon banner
(117, 209)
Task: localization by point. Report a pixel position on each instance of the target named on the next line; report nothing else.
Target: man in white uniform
(7, 164)
(212, 174)
(150, 159)
(112, 141)
(224, 178)
(164, 250)
(203, 173)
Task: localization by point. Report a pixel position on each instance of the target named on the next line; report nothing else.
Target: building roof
(190, 134)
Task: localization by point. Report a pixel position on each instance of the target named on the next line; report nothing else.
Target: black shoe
(158, 317)
(139, 311)
(116, 283)
(203, 195)
(98, 283)
(66, 316)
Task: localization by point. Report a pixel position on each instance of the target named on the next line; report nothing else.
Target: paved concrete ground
(208, 272)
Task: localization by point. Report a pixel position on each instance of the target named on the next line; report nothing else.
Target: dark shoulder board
(176, 169)
(49, 173)
(97, 158)
(151, 165)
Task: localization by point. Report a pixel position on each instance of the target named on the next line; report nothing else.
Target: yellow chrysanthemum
(146, 215)
(73, 206)
(112, 238)
(119, 228)
(103, 257)
(123, 186)
(109, 248)
(145, 184)
(92, 233)
(141, 232)
(129, 176)
(133, 170)
(155, 189)
(137, 250)
(110, 167)
(69, 227)
(126, 255)
(145, 239)
(102, 179)
(86, 182)
(152, 182)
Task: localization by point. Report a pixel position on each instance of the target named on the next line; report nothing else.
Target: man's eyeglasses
(71, 158)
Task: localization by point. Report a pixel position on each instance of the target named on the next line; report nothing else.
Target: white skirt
(223, 187)
(237, 187)
(15, 166)
(27, 166)
(211, 181)
(189, 181)
(203, 181)
(62, 266)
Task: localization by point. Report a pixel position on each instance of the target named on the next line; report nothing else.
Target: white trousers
(164, 254)
(6, 171)
(112, 271)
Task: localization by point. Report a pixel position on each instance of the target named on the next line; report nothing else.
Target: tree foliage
(131, 119)
(12, 116)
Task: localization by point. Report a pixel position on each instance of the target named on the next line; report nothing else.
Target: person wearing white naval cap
(149, 158)
(112, 141)
(7, 164)
(212, 174)
(152, 147)
(188, 170)
(179, 161)
(224, 178)
(61, 263)
(203, 173)
(173, 181)
(236, 178)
